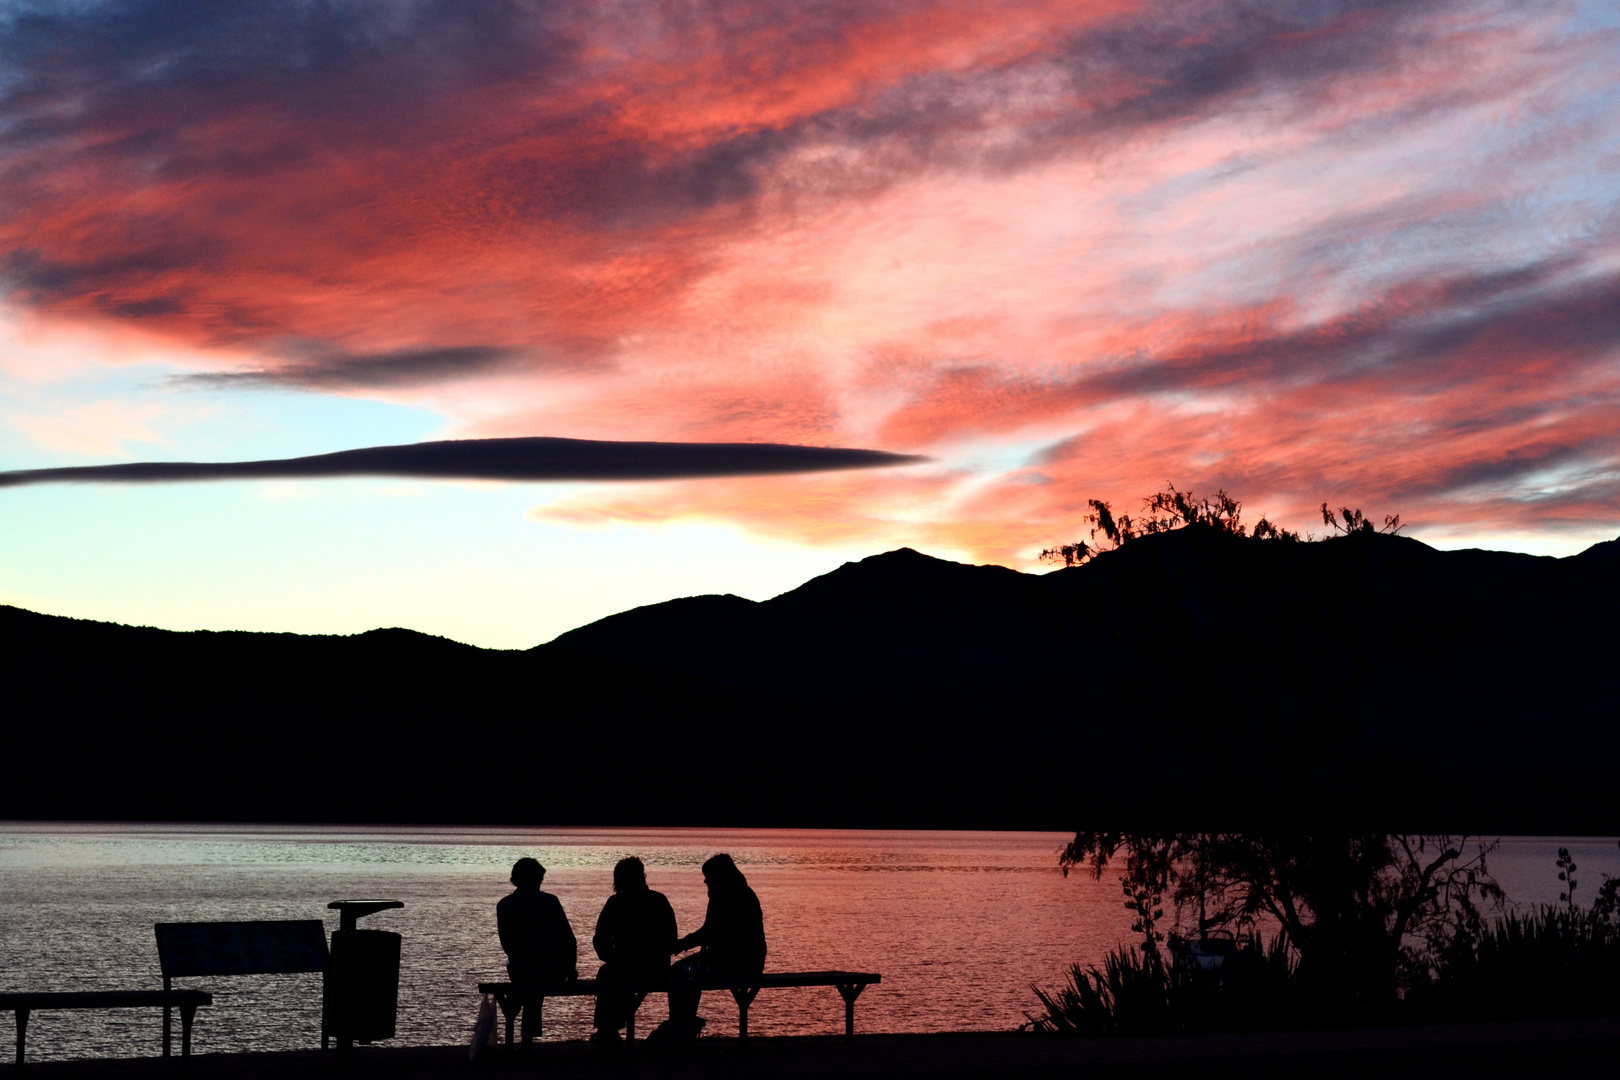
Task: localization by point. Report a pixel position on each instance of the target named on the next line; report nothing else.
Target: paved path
(1567, 1049)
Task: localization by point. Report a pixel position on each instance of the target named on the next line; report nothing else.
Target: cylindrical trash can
(361, 999)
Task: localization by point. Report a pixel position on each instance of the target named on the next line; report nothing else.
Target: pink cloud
(1074, 249)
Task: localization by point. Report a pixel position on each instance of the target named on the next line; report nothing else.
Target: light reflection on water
(959, 924)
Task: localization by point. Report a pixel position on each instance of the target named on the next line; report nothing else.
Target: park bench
(529, 1001)
(186, 1001)
(213, 949)
(186, 949)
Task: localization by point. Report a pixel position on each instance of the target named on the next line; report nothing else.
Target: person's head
(721, 873)
(629, 875)
(527, 873)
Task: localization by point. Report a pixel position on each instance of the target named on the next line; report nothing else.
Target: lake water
(958, 923)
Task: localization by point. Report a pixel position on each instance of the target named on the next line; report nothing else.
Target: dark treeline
(1188, 679)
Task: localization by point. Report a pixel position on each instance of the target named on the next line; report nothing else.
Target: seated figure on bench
(539, 943)
(635, 935)
(732, 940)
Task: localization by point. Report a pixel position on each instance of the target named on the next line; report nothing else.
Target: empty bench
(529, 1001)
(194, 949)
(186, 1001)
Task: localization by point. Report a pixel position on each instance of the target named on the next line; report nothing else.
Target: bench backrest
(241, 948)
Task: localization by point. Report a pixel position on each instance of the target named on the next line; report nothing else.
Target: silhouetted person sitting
(635, 935)
(732, 941)
(539, 943)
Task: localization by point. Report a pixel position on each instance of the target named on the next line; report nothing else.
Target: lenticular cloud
(496, 459)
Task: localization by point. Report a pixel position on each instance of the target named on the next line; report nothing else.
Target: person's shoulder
(506, 901)
(657, 899)
(550, 900)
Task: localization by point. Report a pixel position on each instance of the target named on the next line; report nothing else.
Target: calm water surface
(959, 924)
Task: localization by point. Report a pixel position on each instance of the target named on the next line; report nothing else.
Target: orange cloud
(1074, 249)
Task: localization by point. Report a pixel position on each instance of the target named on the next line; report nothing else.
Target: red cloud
(1078, 249)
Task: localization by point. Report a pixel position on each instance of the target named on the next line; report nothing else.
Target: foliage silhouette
(1557, 960)
(1366, 914)
(1162, 512)
(1554, 961)
(1138, 993)
(1347, 521)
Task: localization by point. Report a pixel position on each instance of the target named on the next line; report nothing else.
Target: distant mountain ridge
(896, 619)
(1190, 678)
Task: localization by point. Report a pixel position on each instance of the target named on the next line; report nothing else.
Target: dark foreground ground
(1545, 1048)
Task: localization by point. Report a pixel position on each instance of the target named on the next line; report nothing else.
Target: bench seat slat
(766, 981)
(104, 999)
(792, 978)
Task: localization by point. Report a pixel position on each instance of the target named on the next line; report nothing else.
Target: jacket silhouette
(539, 943)
(731, 939)
(634, 936)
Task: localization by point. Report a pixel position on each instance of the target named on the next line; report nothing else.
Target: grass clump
(1137, 993)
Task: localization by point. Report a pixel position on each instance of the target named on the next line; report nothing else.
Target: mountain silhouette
(1189, 679)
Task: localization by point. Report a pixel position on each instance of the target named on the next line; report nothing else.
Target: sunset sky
(1366, 253)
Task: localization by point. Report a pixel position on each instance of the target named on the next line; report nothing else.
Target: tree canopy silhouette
(1170, 509)
(1369, 914)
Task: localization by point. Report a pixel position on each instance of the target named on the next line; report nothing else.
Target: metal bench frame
(530, 1001)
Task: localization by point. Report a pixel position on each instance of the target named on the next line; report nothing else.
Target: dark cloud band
(496, 459)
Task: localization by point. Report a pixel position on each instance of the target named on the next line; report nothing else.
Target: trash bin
(361, 991)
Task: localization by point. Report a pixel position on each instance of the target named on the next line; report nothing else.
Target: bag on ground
(483, 1029)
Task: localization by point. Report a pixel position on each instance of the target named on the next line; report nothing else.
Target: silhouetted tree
(1162, 512)
(1367, 914)
(1170, 509)
(1346, 521)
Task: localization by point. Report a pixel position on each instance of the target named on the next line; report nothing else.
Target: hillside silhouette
(1189, 679)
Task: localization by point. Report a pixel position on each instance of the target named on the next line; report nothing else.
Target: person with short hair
(731, 942)
(539, 943)
(635, 935)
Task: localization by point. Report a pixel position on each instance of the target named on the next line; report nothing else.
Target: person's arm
(602, 939)
(756, 916)
(701, 935)
(669, 933)
(503, 926)
(573, 944)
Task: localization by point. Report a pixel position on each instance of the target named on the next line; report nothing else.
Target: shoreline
(1522, 1048)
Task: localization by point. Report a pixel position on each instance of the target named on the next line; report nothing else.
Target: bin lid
(350, 910)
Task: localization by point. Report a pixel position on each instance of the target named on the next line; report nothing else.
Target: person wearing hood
(731, 942)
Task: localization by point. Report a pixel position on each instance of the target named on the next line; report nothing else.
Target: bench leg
(165, 1029)
(849, 992)
(506, 1004)
(533, 1008)
(744, 998)
(22, 1036)
(187, 1013)
(630, 1022)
